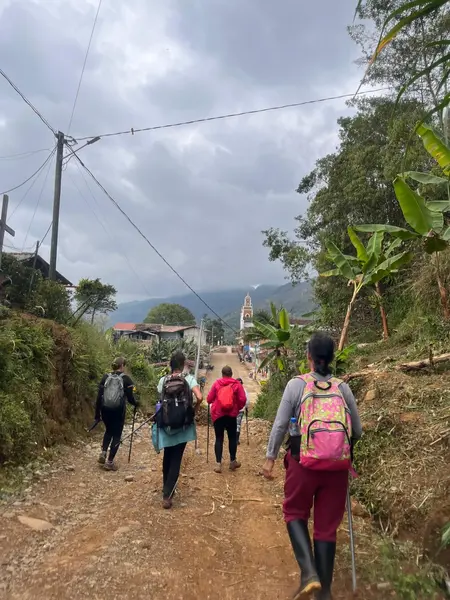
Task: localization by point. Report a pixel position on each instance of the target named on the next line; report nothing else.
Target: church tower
(247, 313)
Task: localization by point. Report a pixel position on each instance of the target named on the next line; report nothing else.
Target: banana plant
(426, 219)
(371, 264)
(277, 338)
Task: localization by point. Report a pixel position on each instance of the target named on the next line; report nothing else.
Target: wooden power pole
(3, 225)
(56, 204)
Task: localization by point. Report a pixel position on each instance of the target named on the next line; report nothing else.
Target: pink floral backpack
(325, 426)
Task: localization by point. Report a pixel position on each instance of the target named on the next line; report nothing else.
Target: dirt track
(111, 539)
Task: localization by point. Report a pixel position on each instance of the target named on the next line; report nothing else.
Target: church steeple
(247, 313)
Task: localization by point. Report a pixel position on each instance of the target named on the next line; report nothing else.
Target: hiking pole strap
(352, 539)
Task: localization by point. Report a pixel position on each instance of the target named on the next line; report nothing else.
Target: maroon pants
(325, 490)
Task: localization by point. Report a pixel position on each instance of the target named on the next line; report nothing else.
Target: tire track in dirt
(224, 537)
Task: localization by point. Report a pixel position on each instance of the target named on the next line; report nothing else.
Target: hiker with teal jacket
(174, 424)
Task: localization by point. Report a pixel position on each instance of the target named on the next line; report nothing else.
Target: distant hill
(227, 303)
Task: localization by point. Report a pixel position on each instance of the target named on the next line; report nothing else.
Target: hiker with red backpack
(226, 397)
(321, 415)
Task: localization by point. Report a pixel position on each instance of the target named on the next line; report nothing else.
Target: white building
(247, 314)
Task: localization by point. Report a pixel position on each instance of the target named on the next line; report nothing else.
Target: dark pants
(326, 490)
(228, 424)
(173, 455)
(114, 421)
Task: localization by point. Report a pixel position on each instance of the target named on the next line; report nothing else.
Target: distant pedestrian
(174, 423)
(321, 414)
(241, 412)
(227, 398)
(115, 389)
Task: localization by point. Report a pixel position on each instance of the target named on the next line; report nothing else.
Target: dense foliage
(48, 380)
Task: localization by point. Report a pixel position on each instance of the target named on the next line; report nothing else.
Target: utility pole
(56, 204)
(199, 345)
(3, 226)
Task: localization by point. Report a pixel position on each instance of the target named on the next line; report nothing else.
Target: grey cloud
(203, 193)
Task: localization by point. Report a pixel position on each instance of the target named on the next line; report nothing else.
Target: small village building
(35, 261)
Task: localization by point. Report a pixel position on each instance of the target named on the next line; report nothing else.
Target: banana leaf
(361, 251)
(413, 206)
(435, 147)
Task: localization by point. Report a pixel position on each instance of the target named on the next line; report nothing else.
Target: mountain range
(227, 303)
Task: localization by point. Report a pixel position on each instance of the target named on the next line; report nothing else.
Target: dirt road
(106, 538)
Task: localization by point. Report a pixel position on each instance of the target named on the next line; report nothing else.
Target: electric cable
(180, 277)
(25, 99)
(31, 176)
(132, 131)
(84, 66)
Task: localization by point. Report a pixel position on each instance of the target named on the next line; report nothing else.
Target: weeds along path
(101, 537)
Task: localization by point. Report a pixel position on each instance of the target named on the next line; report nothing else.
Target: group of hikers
(317, 410)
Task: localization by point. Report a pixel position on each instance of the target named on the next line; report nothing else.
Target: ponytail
(321, 353)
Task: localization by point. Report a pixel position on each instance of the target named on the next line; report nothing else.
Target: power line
(30, 177)
(38, 202)
(132, 131)
(84, 65)
(46, 234)
(149, 242)
(103, 226)
(24, 154)
(25, 99)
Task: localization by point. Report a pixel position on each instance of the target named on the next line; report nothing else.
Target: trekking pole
(132, 432)
(246, 424)
(207, 439)
(137, 429)
(352, 539)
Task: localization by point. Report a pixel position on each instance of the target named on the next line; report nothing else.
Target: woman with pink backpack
(321, 415)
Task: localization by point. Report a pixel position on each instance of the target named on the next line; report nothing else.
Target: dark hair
(177, 361)
(118, 363)
(239, 379)
(321, 352)
(227, 372)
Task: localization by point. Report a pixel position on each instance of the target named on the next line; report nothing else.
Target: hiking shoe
(218, 468)
(167, 503)
(102, 458)
(235, 464)
(110, 466)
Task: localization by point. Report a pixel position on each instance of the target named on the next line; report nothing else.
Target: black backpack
(177, 407)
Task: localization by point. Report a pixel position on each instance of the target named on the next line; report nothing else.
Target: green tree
(276, 339)
(350, 187)
(405, 45)
(371, 264)
(214, 330)
(167, 313)
(94, 297)
(426, 219)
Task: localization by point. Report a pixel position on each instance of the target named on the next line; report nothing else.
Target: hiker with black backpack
(226, 397)
(115, 389)
(174, 424)
(319, 411)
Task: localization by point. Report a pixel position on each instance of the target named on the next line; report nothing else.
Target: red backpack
(225, 397)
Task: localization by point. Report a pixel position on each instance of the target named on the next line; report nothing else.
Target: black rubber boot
(238, 435)
(301, 544)
(324, 554)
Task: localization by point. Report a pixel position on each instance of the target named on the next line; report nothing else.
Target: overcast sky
(201, 193)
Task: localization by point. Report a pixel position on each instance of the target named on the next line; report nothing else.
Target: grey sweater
(290, 407)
